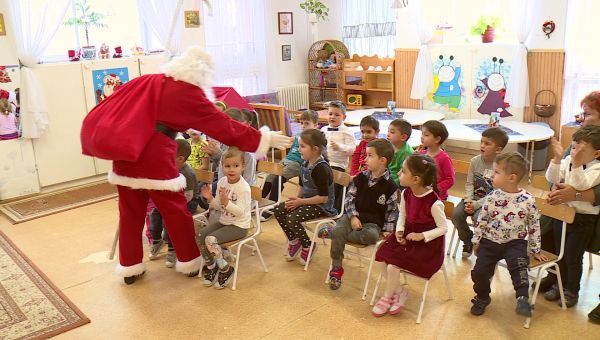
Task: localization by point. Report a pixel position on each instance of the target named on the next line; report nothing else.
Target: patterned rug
(30, 305)
(55, 202)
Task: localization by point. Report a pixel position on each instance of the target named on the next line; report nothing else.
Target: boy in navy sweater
(371, 208)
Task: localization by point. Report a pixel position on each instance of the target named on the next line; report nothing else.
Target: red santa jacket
(122, 129)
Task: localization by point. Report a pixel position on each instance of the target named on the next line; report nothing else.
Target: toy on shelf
(118, 52)
(137, 50)
(104, 51)
(73, 55)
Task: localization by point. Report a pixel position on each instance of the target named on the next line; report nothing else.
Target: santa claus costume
(135, 128)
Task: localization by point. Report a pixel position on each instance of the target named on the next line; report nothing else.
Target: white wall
(280, 72)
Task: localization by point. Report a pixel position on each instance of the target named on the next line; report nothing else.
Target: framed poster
(286, 22)
(192, 19)
(286, 52)
(107, 81)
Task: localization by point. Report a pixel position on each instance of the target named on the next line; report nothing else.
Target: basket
(544, 110)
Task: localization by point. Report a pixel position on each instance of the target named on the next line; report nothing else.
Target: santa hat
(193, 66)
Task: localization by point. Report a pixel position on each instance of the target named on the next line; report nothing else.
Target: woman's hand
(562, 193)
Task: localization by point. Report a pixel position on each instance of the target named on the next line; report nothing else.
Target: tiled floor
(286, 302)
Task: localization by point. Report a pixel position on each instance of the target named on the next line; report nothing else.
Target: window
(369, 27)
(235, 38)
(123, 29)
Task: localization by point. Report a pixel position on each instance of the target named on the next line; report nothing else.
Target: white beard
(108, 90)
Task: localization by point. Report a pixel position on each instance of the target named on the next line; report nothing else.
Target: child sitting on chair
(478, 185)
(371, 208)
(508, 219)
(369, 128)
(198, 159)
(291, 164)
(581, 169)
(233, 201)
(314, 199)
(418, 244)
(434, 134)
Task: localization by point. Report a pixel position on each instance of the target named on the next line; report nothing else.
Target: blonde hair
(4, 106)
(233, 152)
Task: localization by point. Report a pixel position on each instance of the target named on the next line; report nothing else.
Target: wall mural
(108, 81)
(489, 93)
(448, 84)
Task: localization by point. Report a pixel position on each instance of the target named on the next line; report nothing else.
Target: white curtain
(33, 30)
(582, 65)
(517, 91)
(369, 27)
(158, 17)
(422, 80)
(235, 37)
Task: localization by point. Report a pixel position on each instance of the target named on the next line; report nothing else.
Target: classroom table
(469, 130)
(413, 116)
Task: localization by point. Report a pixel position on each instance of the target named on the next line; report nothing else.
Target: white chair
(344, 180)
(253, 235)
(448, 211)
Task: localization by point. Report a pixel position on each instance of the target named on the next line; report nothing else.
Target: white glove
(271, 139)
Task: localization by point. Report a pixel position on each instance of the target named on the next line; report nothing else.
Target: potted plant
(316, 10)
(485, 27)
(87, 19)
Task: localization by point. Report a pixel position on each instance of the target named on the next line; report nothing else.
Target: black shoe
(131, 279)
(194, 273)
(467, 250)
(594, 315)
(266, 215)
(545, 283)
(210, 274)
(223, 278)
(479, 305)
(523, 306)
(570, 299)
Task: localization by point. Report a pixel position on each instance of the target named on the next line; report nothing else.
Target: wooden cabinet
(325, 83)
(375, 82)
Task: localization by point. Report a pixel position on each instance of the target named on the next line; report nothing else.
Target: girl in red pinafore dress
(418, 244)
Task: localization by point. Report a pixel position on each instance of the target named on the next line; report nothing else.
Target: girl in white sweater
(233, 202)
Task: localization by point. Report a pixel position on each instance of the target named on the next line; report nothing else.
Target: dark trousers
(270, 188)
(291, 221)
(459, 220)
(488, 255)
(337, 190)
(577, 237)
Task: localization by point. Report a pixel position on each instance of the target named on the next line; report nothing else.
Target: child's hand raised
(415, 237)
(211, 147)
(540, 257)
(206, 192)
(400, 238)
(223, 196)
(335, 146)
(557, 149)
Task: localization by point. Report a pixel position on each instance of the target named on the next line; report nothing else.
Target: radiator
(293, 97)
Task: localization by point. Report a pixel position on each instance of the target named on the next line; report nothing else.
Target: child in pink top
(8, 121)
(434, 134)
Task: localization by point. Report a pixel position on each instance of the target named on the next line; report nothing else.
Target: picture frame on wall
(286, 52)
(2, 26)
(286, 22)
(192, 19)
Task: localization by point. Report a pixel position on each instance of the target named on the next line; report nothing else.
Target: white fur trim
(136, 269)
(265, 143)
(189, 266)
(193, 66)
(174, 184)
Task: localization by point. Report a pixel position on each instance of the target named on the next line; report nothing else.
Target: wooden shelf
(380, 90)
(380, 72)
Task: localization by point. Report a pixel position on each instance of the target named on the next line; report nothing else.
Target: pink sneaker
(293, 249)
(381, 307)
(304, 254)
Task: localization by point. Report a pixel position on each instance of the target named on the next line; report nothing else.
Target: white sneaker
(170, 259)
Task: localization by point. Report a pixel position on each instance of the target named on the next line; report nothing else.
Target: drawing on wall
(490, 87)
(108, 81)
(448, 91)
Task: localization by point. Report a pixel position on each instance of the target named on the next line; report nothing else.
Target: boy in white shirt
(233, 201)
(581, 170)
(340, 144)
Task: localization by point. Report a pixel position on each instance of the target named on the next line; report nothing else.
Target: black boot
(131, 279)
(594, 315)
(546, 283)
